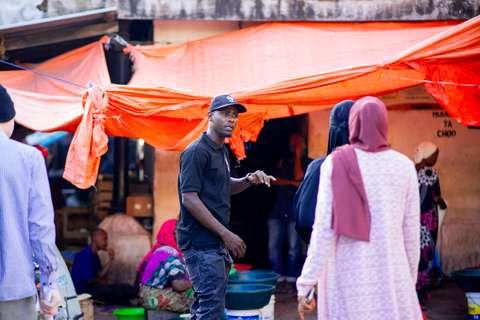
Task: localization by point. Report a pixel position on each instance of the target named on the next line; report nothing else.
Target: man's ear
(210, 115)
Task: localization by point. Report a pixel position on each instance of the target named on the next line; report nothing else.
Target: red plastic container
(242, 267)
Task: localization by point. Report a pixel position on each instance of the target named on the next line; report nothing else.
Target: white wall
(457, 166)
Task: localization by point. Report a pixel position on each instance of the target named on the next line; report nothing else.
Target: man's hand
(259, 177)
(49, 309)
(235, 244)
(111, 253)
(304, 307)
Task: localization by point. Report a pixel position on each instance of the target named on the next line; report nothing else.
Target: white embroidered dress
(368, 280)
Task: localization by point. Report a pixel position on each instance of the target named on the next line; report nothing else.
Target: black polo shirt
(205, 169)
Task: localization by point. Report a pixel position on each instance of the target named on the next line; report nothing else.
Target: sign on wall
(446, 130)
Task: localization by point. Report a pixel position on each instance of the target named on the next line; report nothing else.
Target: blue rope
(46, 75)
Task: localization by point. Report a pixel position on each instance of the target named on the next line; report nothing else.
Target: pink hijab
(165, 237)
(368, 126)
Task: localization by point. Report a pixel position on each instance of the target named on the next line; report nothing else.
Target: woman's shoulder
(167, 249)
(427, 175)
(384, 155)
(428, 171)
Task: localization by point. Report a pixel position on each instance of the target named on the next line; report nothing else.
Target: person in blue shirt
(26, 225)
(88, 274)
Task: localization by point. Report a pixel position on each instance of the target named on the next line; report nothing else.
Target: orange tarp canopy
(46, 104)
(275, 69)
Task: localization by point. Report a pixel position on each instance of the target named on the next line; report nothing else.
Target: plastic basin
(468, 280)
(258, 271)
(248, 296)
(130, 314)
(254, 277)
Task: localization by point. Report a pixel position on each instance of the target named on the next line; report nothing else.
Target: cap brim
(240, 107)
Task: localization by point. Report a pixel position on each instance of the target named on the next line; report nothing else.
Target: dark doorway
(251, 208)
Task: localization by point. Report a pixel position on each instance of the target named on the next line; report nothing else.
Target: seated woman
(161, 276)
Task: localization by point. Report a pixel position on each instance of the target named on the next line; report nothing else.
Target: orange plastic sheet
(47, 104)
(272, 52)
(276, 70)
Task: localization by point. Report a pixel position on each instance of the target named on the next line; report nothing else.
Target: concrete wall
(19, 11)
(175, 31)
(165, 194)
(280, 10)
(457, 166)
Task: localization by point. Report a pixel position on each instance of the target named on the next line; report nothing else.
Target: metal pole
(118, 65)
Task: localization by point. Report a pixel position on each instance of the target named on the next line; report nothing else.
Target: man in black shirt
(204, 188)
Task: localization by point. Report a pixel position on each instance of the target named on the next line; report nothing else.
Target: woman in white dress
(364, 247)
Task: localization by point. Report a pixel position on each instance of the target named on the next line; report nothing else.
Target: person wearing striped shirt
(26, 225)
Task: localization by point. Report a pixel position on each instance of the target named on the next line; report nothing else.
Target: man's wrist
(247, 178)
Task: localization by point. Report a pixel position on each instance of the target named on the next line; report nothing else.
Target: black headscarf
(338, 132)
(305, 199)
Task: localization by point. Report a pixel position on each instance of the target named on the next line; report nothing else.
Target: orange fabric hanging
(90, 141)
(275, 69)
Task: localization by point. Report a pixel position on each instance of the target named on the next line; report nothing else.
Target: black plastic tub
(468, 280)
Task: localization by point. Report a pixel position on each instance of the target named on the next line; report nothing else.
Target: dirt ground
(447, 303)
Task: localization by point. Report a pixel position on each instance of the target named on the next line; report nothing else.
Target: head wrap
(338, 130)
(305, 199)
(165, 237)
(7, 111)
(368, 126)
(424, 151)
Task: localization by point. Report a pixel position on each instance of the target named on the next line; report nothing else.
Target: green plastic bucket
(130, 314)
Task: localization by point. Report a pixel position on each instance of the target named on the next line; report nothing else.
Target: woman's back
(164, 263)
(375, 279)
(364, 249)
(389, 178)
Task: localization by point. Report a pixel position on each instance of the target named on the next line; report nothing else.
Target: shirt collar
(210, 142)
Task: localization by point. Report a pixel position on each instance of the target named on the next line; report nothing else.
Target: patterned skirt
(428, 239)
(166, 299)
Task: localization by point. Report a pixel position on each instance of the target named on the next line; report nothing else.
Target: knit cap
(7, 111)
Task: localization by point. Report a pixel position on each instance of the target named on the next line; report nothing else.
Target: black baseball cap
(7, 111)
(223, 101)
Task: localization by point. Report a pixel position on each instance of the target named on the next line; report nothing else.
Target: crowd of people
(368, 213)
